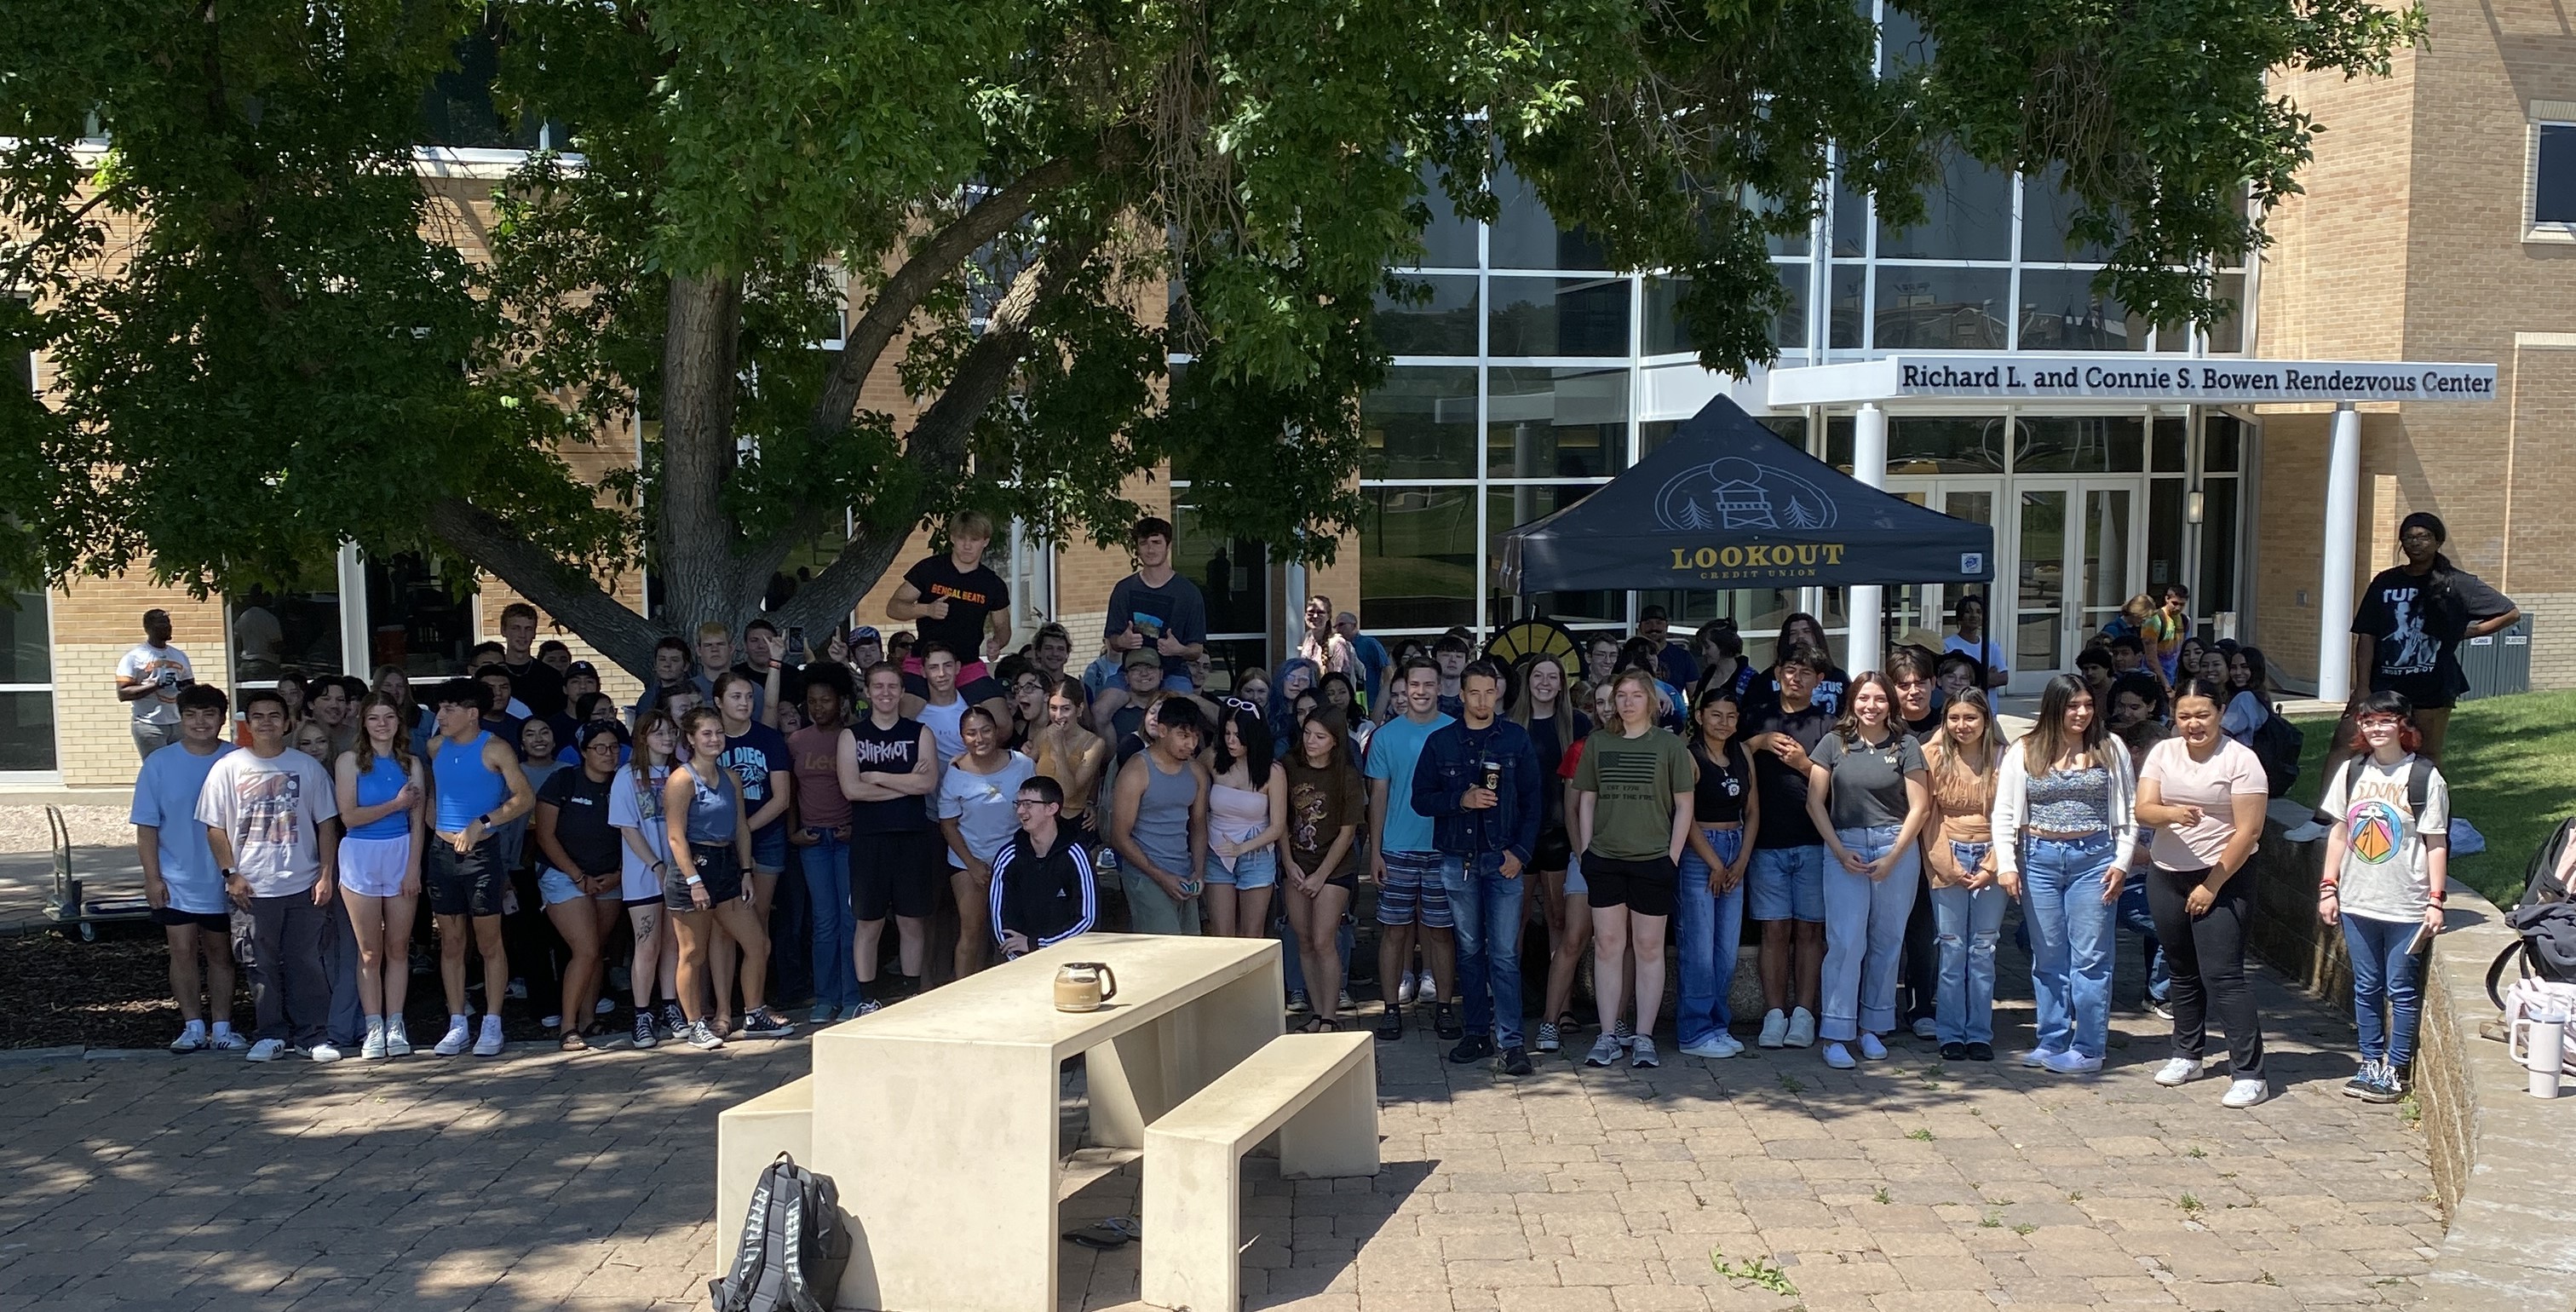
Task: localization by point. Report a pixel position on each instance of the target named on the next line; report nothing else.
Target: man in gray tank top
(1158, 822)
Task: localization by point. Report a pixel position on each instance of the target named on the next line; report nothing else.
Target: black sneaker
(644, 1036)
(2363, 1080)
(1445, 1021)
(1516, 1060)
(675, 1023)
(1981, 1052)
(2160, 1007)
(1954, 1052)
(762, 1023)
(1475, 1047)
(2383, 1085)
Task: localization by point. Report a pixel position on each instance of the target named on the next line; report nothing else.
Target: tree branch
(938, 257)
(571, 597)
(937, 444)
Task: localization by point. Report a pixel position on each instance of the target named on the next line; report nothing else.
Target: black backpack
(2419, 785)
(2277, 744)
(794, 1245)
(2545, 919)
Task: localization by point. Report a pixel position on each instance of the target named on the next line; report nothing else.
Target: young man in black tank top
(889, 766)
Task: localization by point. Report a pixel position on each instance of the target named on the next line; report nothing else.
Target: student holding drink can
(1479, 781)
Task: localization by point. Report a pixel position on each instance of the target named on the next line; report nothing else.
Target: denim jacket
(1450, 766)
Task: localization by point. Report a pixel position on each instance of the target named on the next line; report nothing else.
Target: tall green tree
(270, 333)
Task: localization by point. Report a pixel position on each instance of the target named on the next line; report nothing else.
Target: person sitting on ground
(1044, 891)
(180, 879)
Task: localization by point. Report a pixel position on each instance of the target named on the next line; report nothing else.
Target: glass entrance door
(1928, 606)
(2078, 554)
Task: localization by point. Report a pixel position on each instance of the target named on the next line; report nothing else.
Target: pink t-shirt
(2211, 785)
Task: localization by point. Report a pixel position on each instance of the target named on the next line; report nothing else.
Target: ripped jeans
(1965, 924)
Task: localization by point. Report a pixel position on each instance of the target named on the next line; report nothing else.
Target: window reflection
(1444, 324)
(293, 631)
(1418, 557)
(2093, 444)
(2061, 310)
(1966, 216)
(1556, 423)
(2047, 209)
(1450, 241)
(419, 616)
(1525, 235)
(1941, 309)
(1559, 316)
(1666, 334)
(1420, 424)
(1944, 446)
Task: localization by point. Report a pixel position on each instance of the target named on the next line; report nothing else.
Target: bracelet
(2329, 891)
(2439, 894)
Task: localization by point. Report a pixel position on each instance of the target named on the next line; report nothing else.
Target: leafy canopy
(272, 328)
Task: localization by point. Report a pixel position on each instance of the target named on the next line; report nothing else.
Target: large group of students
(1636, 805)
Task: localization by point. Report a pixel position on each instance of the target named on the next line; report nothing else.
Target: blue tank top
(711, 807)
(377, 785)
(467, 788)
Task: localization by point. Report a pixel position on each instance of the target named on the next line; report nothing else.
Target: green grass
(2511, 764)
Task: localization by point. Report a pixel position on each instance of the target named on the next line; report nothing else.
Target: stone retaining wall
(2503, 1162)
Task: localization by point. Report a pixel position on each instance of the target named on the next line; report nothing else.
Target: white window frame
(2551, 114)
(49, 688)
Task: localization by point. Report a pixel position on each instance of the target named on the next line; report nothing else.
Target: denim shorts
(1786, 883)
(1575, 884)
(554, 886)
(769, 850)
(1412, 892)
(1252, 870)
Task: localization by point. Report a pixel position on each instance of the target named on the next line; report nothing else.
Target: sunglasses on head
(1242, 704)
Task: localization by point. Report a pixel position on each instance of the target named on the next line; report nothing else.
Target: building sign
(2178, 380)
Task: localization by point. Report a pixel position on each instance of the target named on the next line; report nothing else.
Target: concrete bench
(1317, 1092)
(751, 1135)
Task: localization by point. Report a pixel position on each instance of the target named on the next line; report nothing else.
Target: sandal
(573, 1043)
(1322, 1025)
(1390, 1025)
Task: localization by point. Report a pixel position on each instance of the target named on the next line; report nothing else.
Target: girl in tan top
(1958, 857)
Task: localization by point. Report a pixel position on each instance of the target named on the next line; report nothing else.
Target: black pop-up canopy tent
(1724, 503)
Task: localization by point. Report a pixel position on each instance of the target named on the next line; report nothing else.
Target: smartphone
(796, 640)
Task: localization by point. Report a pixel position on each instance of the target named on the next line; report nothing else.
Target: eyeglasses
(2381, 722)
(1241, 704)
(1017, 803)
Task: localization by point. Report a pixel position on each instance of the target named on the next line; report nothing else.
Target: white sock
(457, 1022)
(194, 1028)
(375, 1024)
(223, 1027)
(491, 1022)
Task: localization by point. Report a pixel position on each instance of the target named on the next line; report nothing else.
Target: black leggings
(2207, 957)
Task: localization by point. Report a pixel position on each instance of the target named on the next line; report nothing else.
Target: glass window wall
(26, 684)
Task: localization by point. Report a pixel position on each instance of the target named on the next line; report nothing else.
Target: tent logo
(1971, 563)
(1737, 494)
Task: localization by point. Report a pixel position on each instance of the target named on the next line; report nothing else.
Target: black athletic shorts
(463, 883)
(1646, 888)
(212, 922)
(903, 873)
(719, 867)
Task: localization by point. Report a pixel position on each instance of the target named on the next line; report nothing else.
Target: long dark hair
(1848, 723)
(1257, 750)
(2047, 741)
(1708, 697)
(1345, 755)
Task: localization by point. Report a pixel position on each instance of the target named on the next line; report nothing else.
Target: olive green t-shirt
(1634, 780)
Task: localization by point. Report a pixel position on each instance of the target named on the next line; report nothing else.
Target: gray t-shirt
(1869, 782)
(273, 809)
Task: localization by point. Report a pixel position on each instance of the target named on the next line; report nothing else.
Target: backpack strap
(2351, 776)
(2419, 785)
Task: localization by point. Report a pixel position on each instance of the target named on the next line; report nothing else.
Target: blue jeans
(1487, 908)
(2135, 918)
(1965, 924)
(2071, 940)
(2384, 973)
(1707, 928)
(1864, 933)
(836, 924)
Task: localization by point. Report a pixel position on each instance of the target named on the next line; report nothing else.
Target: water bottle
(2544, 1051)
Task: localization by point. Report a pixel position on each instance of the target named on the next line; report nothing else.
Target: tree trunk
(693, 544)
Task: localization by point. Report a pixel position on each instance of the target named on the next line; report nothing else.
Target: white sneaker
(323, 1052)
(488, 1044)
(1839, 1057)
(2071, 1062)
(1716, 1047)
(1802, 1028)
(268, 1050)
(1407, 988)
(603, 1007)
(552, 1020)
(190, 1039)
(397, 1039)
(1870, 1047)
(2305, 833)
(2038, 1056)
(227, 1041)
(1775, 1028)
(457, 1037)
(2245, 1093)
(2178, 1072)
(1925, 1028)
(372, 1048)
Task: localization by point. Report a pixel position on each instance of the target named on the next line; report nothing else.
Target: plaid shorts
(1412, 892)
